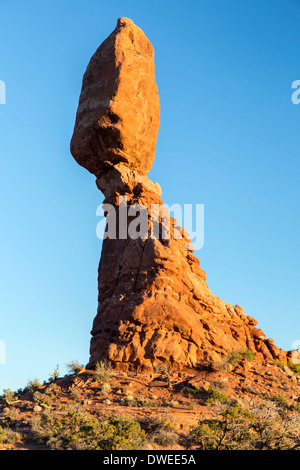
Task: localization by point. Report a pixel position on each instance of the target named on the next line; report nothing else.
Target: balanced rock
(119, 111)
(154, 304)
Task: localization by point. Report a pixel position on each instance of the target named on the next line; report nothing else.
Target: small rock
(287, 371)
(246, 365)
(148, 446)
(196, 383)
(239, 310)
(37, 408)
(174, 403)
(87, 402)
(224, 379)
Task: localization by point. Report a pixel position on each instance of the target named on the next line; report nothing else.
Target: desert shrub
(228, 361)
(74, 367)
(172, 403)
(253, 390)
(216, 395)
(102, 371)
(74, 428)
(53, 389)
(189, 391)
(195, 390)
(227, 431)
(161, 431)
(294, 367)
(9, 396)
(9, 419)
(218, 384)
(164, 372)
(122, 433)
(279, 363)
(162, 421)
(54, 375)
(236, 428)
(145, 402)
(162, 369)
(281, 400)
(33, 385)
(8, 436)
(248, 354)
(165, 438)
(11, 416)
(233, 358)
(41, 398)
(105, 389)
(130, 400)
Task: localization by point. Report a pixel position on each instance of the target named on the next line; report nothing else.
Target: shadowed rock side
(154, 303)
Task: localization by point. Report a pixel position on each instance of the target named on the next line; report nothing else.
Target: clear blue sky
(229, 139)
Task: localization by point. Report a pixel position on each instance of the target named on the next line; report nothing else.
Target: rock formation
(154, 302)
(118, 113)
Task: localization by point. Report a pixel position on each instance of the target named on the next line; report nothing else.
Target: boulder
(119, 111)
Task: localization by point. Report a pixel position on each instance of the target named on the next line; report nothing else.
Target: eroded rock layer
(154, 302)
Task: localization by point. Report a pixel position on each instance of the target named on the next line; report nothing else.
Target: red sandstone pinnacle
(154, 303)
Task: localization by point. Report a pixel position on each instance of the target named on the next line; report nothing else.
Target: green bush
(53, 389)
(54, 375)
(216, 395)
(262, 428)
(11, 416)
(102, 371)
(105, 389)
(9, 396)
(294, 367)
(74, 428)
(41, 398)
(33, 385)
(165, 438)
(248, 354)
(281, 400)
(233, 358)
(130, 400)
(161, 431)
(74, 367)
(8, 436)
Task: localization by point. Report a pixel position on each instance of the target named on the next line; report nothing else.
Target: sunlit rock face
(154, 304)
(119, 111)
